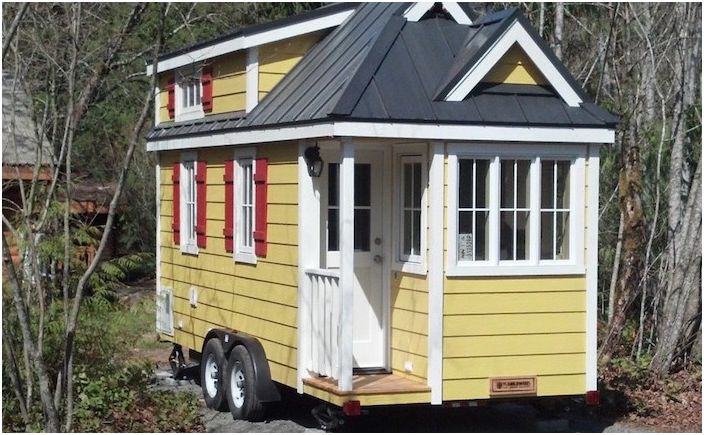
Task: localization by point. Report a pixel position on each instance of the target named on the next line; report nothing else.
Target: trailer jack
(328, 419)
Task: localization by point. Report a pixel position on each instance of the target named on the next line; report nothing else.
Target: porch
(381, 389)
(348, 238)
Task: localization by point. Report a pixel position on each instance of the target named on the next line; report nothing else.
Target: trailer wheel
(212, 369)
(241, 386)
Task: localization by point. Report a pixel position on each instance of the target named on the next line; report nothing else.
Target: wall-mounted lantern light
(313, 160)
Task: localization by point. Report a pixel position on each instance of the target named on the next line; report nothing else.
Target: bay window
(515, 210)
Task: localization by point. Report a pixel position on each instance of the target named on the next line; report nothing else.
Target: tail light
(352, 408)
(593, 398)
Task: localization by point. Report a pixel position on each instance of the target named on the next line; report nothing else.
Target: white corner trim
(516, 33)
(451, 132)
(252, 98)
(252, 40)
(158, 229)
(592, 266)
(435, 273)
(416, 11)
(157, 104)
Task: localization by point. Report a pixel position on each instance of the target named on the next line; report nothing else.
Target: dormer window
(188, 94)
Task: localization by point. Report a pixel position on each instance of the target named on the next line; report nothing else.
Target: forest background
(83, 64)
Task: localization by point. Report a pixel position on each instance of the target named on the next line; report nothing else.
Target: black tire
(213, 388)
(241, 386)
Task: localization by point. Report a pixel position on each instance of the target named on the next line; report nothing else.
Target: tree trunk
(681, 286)
(615, 270)
(627, 286)
(559, 20)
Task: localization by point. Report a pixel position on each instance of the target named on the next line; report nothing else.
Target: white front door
(368, 347)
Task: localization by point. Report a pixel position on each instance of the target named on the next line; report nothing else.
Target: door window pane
(362, 218)
(362, 184)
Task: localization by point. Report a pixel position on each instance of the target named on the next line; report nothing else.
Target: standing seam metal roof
(377, 66)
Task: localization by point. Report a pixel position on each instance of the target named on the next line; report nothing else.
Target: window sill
(245, 257)
(189, 249)
(516, 270)
(412, 268)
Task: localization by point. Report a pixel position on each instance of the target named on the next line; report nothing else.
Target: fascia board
(245, 41)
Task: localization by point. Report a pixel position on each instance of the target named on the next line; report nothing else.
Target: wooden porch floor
(370, 384)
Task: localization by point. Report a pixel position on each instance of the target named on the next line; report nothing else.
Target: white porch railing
(325, 311)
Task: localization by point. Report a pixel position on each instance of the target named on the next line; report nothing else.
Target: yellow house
(378, 204)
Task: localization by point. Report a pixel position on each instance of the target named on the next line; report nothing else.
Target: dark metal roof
(315, 13)
(377, 66)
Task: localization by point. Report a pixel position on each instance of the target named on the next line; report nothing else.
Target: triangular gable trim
(416, 11)
(515, 34)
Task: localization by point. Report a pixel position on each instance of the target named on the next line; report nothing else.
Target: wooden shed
(379, 203)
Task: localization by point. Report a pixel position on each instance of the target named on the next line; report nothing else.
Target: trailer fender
(265, 387)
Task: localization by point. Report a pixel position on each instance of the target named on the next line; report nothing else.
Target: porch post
(308, 258)
(346, 263)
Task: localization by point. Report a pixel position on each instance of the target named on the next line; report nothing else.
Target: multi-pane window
(188, 193)
(554, 209)
(245, 205)
(191, 90)
(473, 210)
(515, 212)
(411, 208)
(514, 231)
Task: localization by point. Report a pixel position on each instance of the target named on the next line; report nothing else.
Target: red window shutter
(171, 90)
(229, 230)
(201, 189)
(260, 186)
(206, 81)
(176, 203)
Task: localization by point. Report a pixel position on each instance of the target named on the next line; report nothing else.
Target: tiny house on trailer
(378, 204)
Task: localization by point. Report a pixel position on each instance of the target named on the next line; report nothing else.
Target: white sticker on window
(466, 253)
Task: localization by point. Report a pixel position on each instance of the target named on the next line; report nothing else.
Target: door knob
(377, 241)
(378, 259)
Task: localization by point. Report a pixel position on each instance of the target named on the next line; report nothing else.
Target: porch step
(386, 383)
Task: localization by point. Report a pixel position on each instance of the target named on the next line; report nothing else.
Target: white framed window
(410, 227)
(189, 210)
(188, 94)
(244, 206)
(515, 209)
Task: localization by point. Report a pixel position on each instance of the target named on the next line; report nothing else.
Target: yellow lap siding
(515, 67)
(492, 366)
(278, 58)
(553, 385)
(513, 326)
(526, 344)
(531, 323)
(514, 302)
(409, 325)
(260, 299)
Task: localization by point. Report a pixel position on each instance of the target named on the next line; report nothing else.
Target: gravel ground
(292, 414)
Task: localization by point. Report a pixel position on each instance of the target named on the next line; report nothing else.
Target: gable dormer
(505, 49)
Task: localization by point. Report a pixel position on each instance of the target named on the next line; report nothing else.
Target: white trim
(187, 246)
(241, 254)
(252, 95)
(392, 131)
(308, 257)
(158, 241)
(252, 40)
(410, 153)
(435, 273)
(534, 265)
(516, 33)
(592, 266)
(416, 11)
(157, 104)
(347, 278)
